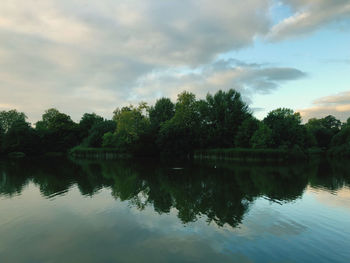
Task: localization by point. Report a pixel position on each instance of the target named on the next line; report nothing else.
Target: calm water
(146, 211)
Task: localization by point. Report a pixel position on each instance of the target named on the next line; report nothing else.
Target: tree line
(222, 120)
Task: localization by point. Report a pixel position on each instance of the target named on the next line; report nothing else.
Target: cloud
(87, 55)
(247, 78)
(155, 32)
(308, 16)
(337, 105)
(341, 201)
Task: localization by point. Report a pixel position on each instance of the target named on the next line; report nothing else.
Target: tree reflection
(222, 192)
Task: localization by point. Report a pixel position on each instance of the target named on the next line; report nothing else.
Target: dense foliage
(222, 120)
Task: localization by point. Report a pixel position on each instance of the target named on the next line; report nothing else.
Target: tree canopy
(225, 114)
(220, 120)
(324, 129)
(8, 118)
(286, 127)
(162, 111)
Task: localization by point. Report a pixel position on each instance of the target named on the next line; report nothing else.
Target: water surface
(56, 210)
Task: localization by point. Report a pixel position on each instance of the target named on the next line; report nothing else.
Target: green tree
(54, 120)
(21, 137)
(262, 138)
(331, 123)
(57, 131)
(186, 110)
(286, 127)
(109, 140)
(162, 111)
(309, 138)
(246, 131)
(179, 135)
(2, 134)
(132, 124)
(323, 129)
(342, 137)
(8, 118)
(340, 144)
(87, 122)
(95, 136)
(226, 112)
(321, 134)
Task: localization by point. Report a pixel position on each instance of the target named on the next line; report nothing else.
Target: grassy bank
(252, 154)
(238, 154)
(97, 153)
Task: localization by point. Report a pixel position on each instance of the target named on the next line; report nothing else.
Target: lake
(59, 210)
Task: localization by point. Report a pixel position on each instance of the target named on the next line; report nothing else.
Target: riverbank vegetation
(221, 121)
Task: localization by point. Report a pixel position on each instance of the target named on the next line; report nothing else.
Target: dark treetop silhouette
(220, 121)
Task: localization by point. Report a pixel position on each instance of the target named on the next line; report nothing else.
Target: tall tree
(162, 111)
(2, 134)
(246, 131)
(54, 120)
(340, 144)
(21, 137)
(8, 118)
(94, 139)
(87, 122)
(323, 129)
(286, 127)
(132, 124)
(331, 123)
(262, 137)
(179, 135)
(57, 131)
(226, 112)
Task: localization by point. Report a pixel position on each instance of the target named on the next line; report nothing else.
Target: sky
(93, 56)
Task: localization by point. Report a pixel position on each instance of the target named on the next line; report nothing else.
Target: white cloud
(309, 15)
(337, 105)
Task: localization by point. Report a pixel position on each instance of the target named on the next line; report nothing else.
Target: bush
(252, 154)
(16, 155)
(96, 153)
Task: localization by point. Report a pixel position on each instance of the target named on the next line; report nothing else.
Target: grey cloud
(90, 55)
(337, 105)
(158, 32)
(308, 16)
(225, 74)
(281, 74)
(223, 64)
(37, 74)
